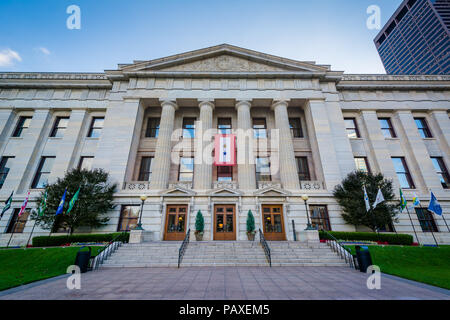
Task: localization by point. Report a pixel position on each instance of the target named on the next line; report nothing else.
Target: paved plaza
(233, 283)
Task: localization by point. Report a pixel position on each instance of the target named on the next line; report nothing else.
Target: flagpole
(412, 224)
(445, 222)
(32, 230)
(12, 231)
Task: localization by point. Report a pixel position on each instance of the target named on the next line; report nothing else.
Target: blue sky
(34, 36)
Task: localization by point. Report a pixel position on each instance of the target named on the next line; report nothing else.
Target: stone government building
(123, 121)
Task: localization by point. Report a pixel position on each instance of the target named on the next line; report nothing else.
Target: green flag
(72, 202)
(403, 202)
(7, 205)
(43, 205)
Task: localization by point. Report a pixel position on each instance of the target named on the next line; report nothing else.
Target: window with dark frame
(85, 163)
(319, 217)
(403, 174)
(42, 173)
(263, 169)
(442, 171)
(145, 170)
(129, 216)
(296, 127)
(303, 169)
(17, 224)
(152, 128)
(4, 169)
(426, 220)
(96, 127)
(351, 128)
(59, 127)
(22, 125)
(362, 164)
(186, 169)
(422, 126)
(224, 173)
(259, 128)
(189, 128)
(224, 125)
(386, 127)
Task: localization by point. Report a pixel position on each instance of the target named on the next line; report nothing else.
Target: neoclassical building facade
(300, 128)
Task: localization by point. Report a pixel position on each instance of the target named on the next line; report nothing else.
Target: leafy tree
(350, 196)
(94, 200)
(250, 222)
(199, 222)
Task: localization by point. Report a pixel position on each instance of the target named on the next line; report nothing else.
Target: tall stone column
(203, 161)
(288, 167)
(245, 156)
(162, 161)
(441, 129)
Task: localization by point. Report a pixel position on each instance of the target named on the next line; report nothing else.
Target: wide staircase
(223, 253)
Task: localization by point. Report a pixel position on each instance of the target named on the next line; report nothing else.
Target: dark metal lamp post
(308, 226)
(139, 225)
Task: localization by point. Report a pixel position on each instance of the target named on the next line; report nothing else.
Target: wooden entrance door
(273, 222)
(224, 222)
(175, 222)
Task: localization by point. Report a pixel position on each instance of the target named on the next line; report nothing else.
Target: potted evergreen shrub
(199, 226)
(250, 226)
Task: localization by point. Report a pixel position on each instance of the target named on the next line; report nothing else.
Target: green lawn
(429, 265)
(21, 266)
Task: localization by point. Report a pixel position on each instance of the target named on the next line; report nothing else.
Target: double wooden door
(176, 222)
(273, 222)
(224, 222)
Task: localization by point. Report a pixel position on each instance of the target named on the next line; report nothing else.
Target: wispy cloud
(44, 50)
(8, 57)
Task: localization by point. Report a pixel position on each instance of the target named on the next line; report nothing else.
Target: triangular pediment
(272, 192)
(224, 58)
(178, 192)
(225, 192)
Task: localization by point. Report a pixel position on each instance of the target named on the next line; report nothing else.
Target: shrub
(401, 239)
(250, 222)
(199, 222)
(51, 241)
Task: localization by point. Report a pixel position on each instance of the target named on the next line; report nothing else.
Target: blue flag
(434, 206)
(61, 204)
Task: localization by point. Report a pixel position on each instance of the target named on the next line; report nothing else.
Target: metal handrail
(107, 251)
(342, 251)
(183, 247)
(265, 246)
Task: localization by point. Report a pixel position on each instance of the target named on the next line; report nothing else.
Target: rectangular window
(263, 169)
(224, 125)
(189, 128)
(145, 171)
(303, 169)
(17, 224)
(96, 127)
(152, 128)
(129, 216)
(403, 173)
(186, 171)
(422, 126)
(59, 127)
(259, 128)
(386, 128)
(426, 220)
(85, 163)
(362, 164)
(225, 173)
(5, 165)
(22, 125)
(319, 217)
(41, 177)
(352, 128)
(442, 172)
(296, 127)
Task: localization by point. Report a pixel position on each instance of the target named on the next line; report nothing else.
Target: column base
(136, 236)
(308, 236)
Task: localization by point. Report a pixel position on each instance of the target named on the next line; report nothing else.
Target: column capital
(208, 103)
(246, 103)
(169, 103)
(277, 103)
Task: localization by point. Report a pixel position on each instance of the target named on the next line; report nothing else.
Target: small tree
(94, 201)
(199, 222)
(250, 222)
(350, 196)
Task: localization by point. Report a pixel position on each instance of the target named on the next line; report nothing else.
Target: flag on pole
(72, 202)
(379, 198)
(7, 205)
(224, 150)
(366, 199)
(43, 205)
(434, 206)
(416, 201)
(403, 202)
(61, 204)
(24, 204)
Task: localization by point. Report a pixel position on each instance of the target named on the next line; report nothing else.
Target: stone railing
(136, 185)
(268, 184)
(181, 184)
(311, 185)
(225, 184)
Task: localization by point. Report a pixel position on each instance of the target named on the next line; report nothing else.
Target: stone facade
(226, 82)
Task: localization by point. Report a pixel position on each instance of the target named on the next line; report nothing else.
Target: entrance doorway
(224, 222)
(273, 222)
(176, 222)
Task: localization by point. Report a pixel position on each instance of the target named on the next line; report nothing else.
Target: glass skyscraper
(416, 39)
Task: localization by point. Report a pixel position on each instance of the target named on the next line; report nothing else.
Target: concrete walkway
(234, 283)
